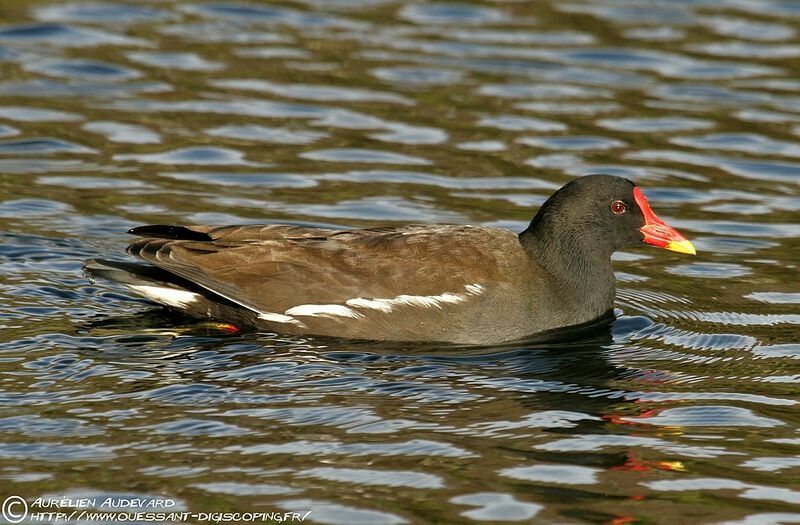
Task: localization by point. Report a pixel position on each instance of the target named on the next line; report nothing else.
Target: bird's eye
(618, 207)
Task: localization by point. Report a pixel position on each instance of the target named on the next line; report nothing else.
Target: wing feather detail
(276, 268)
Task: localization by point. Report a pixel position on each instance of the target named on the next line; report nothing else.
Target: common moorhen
(461, 284)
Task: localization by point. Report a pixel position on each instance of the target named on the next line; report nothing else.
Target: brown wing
(274, 268)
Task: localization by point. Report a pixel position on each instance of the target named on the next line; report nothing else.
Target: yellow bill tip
(681, 247)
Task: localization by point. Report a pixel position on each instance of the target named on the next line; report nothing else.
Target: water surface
(363, 113)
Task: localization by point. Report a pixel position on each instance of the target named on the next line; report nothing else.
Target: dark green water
(361, 113)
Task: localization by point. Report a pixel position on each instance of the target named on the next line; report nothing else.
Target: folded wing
(276, 268)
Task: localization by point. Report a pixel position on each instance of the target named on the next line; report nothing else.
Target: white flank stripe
(317, 310)
(427, 301)
(384, 305)
(167, 296)
(279, 318)
(474, 289)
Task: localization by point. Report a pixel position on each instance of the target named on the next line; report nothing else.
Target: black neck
(580, 266)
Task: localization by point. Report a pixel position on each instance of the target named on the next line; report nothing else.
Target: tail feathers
(148, 281)
(170, 290)
(162, 231)
(131, 273)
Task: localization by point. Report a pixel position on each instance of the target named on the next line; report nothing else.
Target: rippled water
(359, 113)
